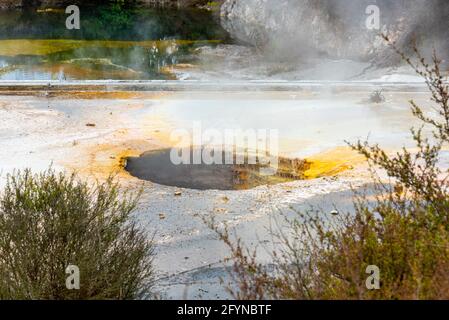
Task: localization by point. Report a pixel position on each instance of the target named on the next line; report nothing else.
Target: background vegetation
(49, 221)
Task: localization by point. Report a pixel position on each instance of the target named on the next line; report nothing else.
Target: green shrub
(49, 221)
(400, 226)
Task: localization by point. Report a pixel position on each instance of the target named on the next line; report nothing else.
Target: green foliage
(115, 16)
(49, 221)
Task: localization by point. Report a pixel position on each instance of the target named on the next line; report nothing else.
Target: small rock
(334, 213)
(161, 216)
(178, 193)
(220, 210)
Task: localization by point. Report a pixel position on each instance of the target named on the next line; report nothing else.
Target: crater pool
(157, 166)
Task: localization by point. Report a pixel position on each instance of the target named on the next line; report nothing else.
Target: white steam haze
(298, 29)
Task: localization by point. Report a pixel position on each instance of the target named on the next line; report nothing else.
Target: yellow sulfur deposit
(332, 162)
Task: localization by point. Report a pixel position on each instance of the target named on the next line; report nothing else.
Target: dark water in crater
(157, 166)
(113, 43)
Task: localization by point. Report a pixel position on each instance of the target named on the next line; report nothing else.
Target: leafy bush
(402, 227)
(49, 221)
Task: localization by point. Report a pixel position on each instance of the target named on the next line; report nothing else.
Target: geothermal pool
(312, 126)
(311, 123)
(308, 124)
